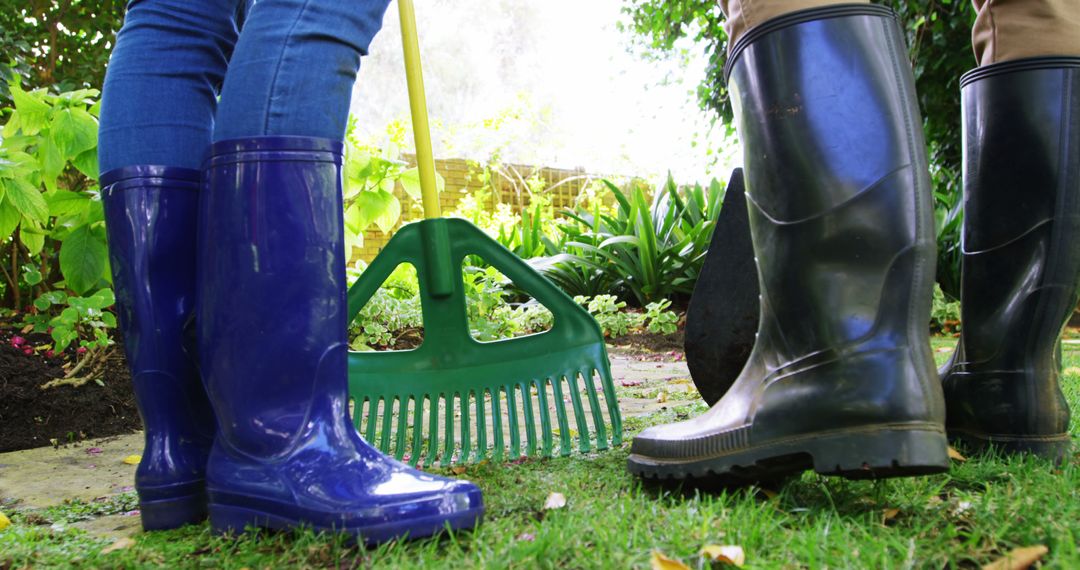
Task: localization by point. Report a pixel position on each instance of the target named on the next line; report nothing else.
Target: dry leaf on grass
(120, 544)
(727, 554)
(888, 515)
(661, 397)
(133, 459)
(1018, 558)
(458, 470)
(555, 501)
(4, 521)
(955, 455)
(660, 562)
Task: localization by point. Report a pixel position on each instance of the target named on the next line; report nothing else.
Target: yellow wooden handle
(425, 160)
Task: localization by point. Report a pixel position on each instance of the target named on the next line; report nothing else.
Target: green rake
(451, 380)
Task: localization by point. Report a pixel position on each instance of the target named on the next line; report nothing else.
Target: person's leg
(295, 66)
(841, 377)
(157, 115)
(1021, 266)
(164, 76)
(1015, 29)
(272, 307)
(742, 15)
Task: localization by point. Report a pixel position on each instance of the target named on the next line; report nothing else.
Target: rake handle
(425, 159)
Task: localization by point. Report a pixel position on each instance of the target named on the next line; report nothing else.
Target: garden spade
(722, 319)
(434, 402)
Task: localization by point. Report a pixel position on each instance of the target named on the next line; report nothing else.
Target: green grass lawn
(982, 508)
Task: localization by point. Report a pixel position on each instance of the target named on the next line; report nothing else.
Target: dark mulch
(648, 344)
(33, 417)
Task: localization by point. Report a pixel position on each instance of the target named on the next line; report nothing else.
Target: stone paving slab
(45, 477)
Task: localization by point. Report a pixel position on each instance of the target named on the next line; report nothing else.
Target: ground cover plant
(984, 507)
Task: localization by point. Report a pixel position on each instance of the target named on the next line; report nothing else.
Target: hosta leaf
(26, 199)
(82, 259)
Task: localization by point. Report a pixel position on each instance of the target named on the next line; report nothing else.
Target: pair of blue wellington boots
(231, 292)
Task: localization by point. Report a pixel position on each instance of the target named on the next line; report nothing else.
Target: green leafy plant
(659, 319)
(50, 213)
(81, 320)
(944, 313)
(647, 250)
(609, 314)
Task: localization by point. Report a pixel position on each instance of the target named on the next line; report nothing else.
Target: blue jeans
(289, 71)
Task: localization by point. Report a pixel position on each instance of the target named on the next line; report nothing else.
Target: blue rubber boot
(272, 338)
(150, 216)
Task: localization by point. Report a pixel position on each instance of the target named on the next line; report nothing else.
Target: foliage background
(939, 44)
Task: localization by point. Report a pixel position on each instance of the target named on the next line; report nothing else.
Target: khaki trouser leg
(1015, 29)
(741, 15)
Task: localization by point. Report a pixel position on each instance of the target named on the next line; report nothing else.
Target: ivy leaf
(26, 199)
(73, 131)
(82, 259)
(33, 113)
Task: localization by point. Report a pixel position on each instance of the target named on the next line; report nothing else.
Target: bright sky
(561, 76)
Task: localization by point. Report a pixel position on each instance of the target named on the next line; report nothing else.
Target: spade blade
(723, 315)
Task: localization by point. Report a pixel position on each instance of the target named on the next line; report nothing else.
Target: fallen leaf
(955, 455)
(661, 397)
(457, 470)
(132, 459)
(888, 515)
(660, 562)
(4, 521)
(1018, 558)
(554, 501)
(93, 451)
(120, 544)
(727, 554)
(769, 494)
(682, 381)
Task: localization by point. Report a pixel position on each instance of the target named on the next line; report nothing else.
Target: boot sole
(226, 519)
(1053, 447)
(173, 512)
(867, 453)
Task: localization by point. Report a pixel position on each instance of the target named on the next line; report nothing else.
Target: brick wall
(462, 178)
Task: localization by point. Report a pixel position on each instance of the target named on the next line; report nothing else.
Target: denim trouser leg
(294, 67)
(163, 80)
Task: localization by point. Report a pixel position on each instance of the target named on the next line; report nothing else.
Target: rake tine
(387, 420)
(448, 443)
(579, 413)
(496, 424)
(403, 424)
(560, 414)
(530, 422)
(433, 430)
(372, 416)
(515, 436)
(594, 407)
(466, 428)
(418, 431)
(604, 371)
(545, 418)
(481, 427)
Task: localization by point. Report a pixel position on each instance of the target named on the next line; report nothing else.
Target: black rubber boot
(841, 377)
(1021, 263)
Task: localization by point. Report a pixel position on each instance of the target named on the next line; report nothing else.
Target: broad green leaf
(32, 237)
(52, 162)
(63, 203)
(33, 113)
(87, 163)
(390, 211)
(82, 259)
(73, 131)
(26, 199)
(9, 219)
(31, 274)
(410, 181)
(103, 299)
(380, 208)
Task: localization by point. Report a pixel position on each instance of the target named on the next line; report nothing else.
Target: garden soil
(32, 417)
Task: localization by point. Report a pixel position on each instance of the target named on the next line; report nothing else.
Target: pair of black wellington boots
(841, 378)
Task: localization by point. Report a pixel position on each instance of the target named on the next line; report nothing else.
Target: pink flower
(80, 350)
(17, 341)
